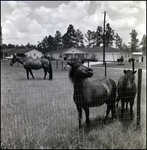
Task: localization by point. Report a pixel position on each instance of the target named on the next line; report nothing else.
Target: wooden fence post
(88, 63)
(4, 62)
(105, 68)
(139, 98)
(56, 64)
(62, 64)
(133, 65)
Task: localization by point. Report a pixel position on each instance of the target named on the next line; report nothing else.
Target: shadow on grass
(126, 120)
(31, 79)
(97, 123)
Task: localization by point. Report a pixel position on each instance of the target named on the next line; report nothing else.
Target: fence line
(63, 64)
(44, 111)
(139, 97)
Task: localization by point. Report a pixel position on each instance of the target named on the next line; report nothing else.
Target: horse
(131, 59)
(90, 93)
(120, 59)
(30, 63)
(126, 91)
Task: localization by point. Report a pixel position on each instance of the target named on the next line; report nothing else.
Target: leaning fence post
(139, 97)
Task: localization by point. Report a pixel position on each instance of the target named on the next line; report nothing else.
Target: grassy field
(41, 114)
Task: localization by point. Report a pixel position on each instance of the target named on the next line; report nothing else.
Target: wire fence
(39, 113)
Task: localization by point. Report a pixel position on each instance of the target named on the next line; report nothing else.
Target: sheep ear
(125, 71)
(134, 71)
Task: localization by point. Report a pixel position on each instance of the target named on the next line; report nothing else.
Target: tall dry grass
(41, 114)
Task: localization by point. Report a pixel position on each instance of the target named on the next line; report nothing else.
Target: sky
(31, 21)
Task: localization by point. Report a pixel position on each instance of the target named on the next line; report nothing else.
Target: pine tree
(143, 44)
(109, 35)
(118, 41)
(134, 41)
(90, 38)
(98, 36)
(79, 39)
(69, 38)
(58, 40)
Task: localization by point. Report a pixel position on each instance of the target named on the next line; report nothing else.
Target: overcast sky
(31, 21)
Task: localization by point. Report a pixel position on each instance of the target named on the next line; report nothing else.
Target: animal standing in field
(90, 94)
(126, 91)
(131, 59)
(120, 59)
(30, 63)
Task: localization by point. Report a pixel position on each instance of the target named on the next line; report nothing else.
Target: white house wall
(34, 54)
(73, 50)
(55, 55)
(110, 56)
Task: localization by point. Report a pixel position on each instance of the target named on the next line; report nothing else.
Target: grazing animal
(90, 94)
(126, 91)
(131, 59)
(30, 63)
(120, 59)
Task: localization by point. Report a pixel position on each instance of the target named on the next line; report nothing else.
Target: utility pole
(1, 53)
(104, 39)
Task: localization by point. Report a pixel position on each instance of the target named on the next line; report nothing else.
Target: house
(138, 56)
(69, 53)
(29, 52)
(111, 54)
(6, 52)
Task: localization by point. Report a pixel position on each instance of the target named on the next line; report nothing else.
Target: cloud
(124, 16)
(24, 21)
(16, 5)
(72, 11)
(59, 18)
(18, 23)
(18, 17)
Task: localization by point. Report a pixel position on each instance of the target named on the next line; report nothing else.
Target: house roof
(107, 49)
(18, 50)
(23, 50)
(137, 53)
(67, 49)
(94, 50)
(7, 50)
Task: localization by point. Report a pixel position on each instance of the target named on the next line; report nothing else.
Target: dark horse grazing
(131, 59)
(120, 59)
(90, 94)
(30, 63)
(126, 91)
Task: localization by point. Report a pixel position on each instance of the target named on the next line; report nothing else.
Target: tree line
(75, 38)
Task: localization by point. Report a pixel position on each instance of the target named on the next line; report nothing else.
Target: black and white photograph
(73, 74)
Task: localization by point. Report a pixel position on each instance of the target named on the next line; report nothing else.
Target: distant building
(111, 54)
(138, 56)
(29, 52)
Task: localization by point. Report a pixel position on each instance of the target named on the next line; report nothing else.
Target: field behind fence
(41, 114)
